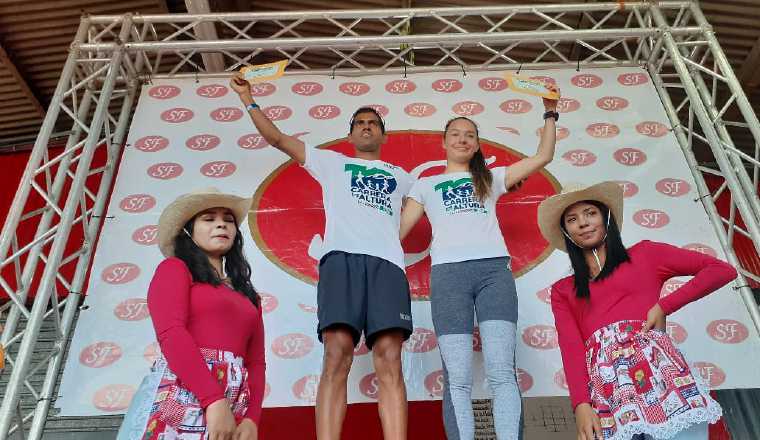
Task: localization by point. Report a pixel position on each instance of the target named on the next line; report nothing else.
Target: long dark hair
(237, 267)
(481, 175)
(616, 253)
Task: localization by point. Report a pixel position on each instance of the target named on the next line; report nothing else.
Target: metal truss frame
(112, 55)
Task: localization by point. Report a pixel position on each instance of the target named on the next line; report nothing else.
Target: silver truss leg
(76, 193)
(67, 318)
(705, 196)
(734, 184)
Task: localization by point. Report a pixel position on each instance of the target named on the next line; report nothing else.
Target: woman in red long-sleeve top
(625, 376)
(208, 322)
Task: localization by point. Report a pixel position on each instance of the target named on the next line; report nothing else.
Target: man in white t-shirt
(362, 285)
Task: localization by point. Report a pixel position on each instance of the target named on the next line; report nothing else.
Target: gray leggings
(485, 287)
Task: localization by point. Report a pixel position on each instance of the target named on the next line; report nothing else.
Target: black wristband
(551, 114)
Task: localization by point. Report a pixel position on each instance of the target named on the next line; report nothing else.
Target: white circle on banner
(673, 187)
(419, 109)
(164, 92)
(580, 158)
(629, 156)
(278, 112)
(203, 142)
(136, 203)
(100, 354)
(727, 331)
(545, 295)
(369, 386)
(177, 115)
(670, 286)
(630, 189)
(603, 130)
(516, 106)
(400, 87)
(540, 337)
(151, 144)
(492, 84)
(568, 105)
(468, 108)
(651, 218)
(132, 309)
(652, 129)
(263, 89)
(218, 169)
(146, 235)
(612, 103)
(164, 170)
(305, 388)
(434, 383)
(676, 331)
(354, 88)
(226, 114)
(632, 79)
(120, 273)
(381, 109)
(307, 88)
(252, 141)
(292, 346)
(421, 340)
(510, 130)
(447, 85)
(113, 398)
(711, 373)
(269, 302)
(324, 111)
(586, 80)
(212, 91)
(524, 380)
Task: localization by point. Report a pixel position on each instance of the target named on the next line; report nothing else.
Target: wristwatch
(252, 106)
(551, 114)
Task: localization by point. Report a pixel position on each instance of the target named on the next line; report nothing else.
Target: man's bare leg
(331, 394)
(392, 406)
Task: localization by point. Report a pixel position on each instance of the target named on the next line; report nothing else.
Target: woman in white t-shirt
(471, 273)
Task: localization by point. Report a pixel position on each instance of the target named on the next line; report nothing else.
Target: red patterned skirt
(163, 409)
(640, 383)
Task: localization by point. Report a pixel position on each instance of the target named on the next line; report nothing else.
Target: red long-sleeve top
(188, 316)
(628, 294)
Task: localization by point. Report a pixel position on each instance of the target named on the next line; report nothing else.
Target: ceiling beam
(214, 62)
(749, 75)
(6, 61)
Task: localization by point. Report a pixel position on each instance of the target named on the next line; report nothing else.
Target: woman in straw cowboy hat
(626, 378)
(209, 381)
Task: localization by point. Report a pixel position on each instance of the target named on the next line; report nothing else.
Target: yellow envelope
(528, 86)
(264, 72)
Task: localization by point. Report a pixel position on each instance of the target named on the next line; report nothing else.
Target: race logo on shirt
(458, 196)
(372, 187)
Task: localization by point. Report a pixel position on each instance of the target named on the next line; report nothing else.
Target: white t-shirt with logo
(362, 201)
(463, 228)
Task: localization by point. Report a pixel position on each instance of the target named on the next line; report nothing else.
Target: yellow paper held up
(264, 72)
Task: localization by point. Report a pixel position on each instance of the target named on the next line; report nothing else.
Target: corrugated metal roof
(35, 37)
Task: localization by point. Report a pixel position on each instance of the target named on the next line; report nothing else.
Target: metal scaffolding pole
(702, 114)
(705, 196)
(49, 276)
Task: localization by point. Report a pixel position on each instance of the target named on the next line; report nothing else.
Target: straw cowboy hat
(550, 210)
(186, 206)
